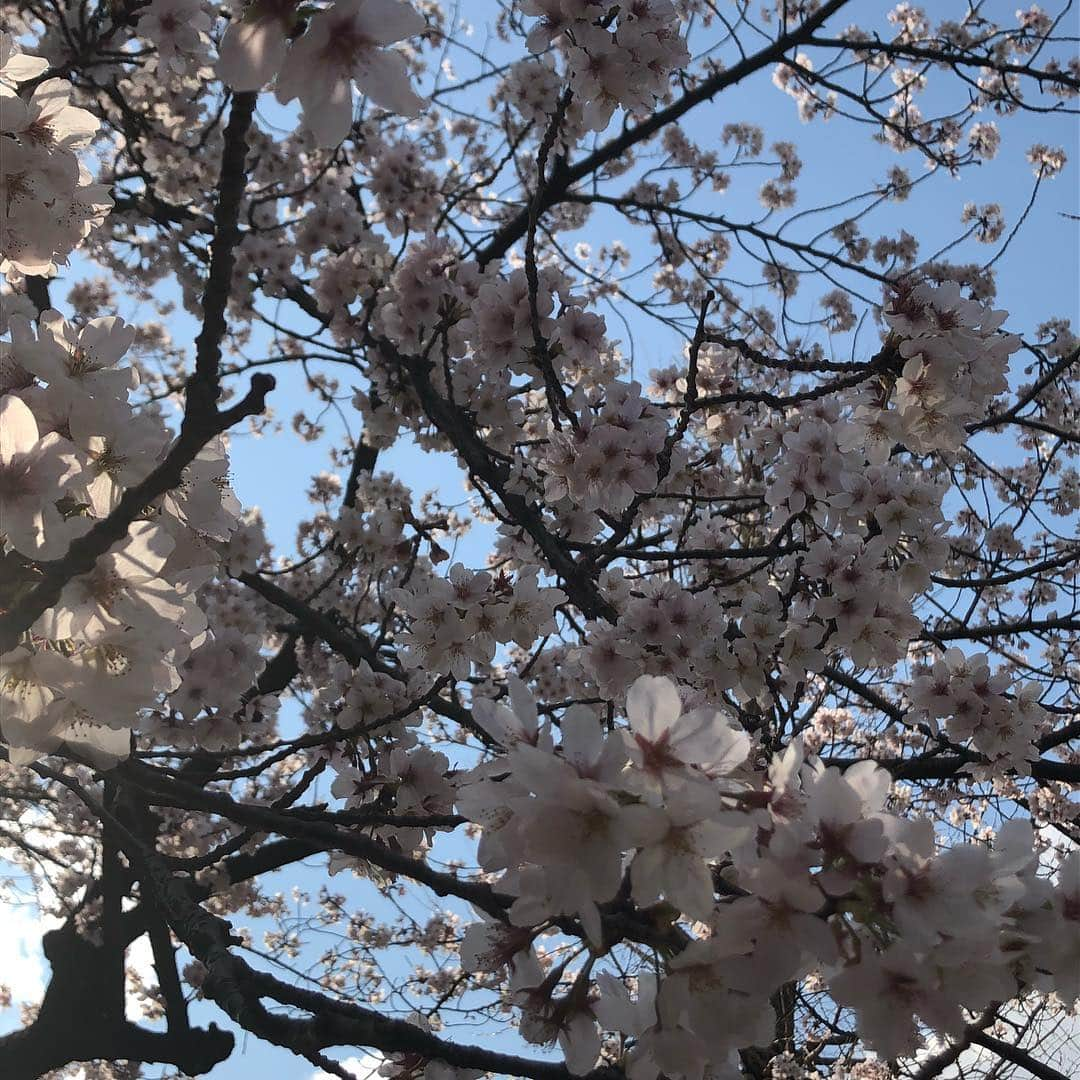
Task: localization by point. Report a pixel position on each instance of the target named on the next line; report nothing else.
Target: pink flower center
(42, 133)
(345, 41)
(656, 756)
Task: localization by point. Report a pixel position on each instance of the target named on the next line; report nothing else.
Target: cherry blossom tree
(727, 726)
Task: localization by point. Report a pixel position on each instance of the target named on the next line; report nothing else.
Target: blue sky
(1038, 278)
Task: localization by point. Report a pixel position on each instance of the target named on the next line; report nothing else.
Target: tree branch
(516, 228)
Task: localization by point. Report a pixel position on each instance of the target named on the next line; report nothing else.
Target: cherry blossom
(178, 29)
(48, 202)
(671, 747)
(254, 47)
(346, 43)
(34, 473)
(665, 661)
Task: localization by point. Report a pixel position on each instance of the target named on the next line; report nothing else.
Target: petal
(142, 557)
(582, 738)
(384, 77)
(103, 747)
(580, 1043)
(18, 429)
(643, 825)
(496, 719)
(20, 67)
(301, 69)
(717, 747)
(329, 120)
(387, 21)
(51, 96)
(689, 887)
(252, 53)
(13, 111)
(589, 914)
(523, 705)
(871, 782)
(652, 706)
(645, 876)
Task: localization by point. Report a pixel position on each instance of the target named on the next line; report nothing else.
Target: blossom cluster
(313, 54)
(760, 870)
(459, 620)
(626, 61)
(534, 89)
(342, 43)
(869, 531)
(401, 781)
(118, 638)
(954, 365)
(612, 454)
(484, 321)
(688, 737)
(385, 772)
(976, 705)
(792, 79)
(854, 592)
(48, 201)
(180, 32)
(350, 275)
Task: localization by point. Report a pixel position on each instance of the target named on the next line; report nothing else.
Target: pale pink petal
(330, 120)
(252, 53)
(13, 111)
(18, 429)
(386, 21)
(384, 77)
(652, 706)
(582, 738)
(18, 67)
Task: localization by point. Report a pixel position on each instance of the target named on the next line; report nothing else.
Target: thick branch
(204, 388)
(1017, 1056)
(76, 1022)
